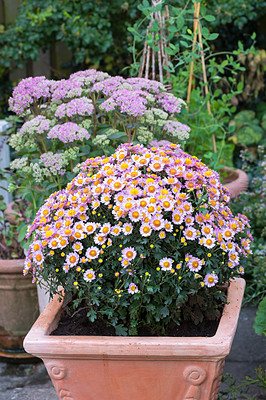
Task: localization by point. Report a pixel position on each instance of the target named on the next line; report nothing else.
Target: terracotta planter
(236, 181)
(18, 308)
(141, 368)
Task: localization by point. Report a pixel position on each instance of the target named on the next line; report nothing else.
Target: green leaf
(209, 18)
(260, 319)
(180, 22)
(213, 36)
(217, 92)
(184, 43)
(22, 233)
(117, 135)
(240, 86)
(120, 330)
(164, 311)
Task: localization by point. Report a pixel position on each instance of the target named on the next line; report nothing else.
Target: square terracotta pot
(140, 368)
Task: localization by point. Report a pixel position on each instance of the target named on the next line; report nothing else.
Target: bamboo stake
(148, 63)
(141, 70)
(206, 85)
(153, 61)
(195, 29)
(204, 70)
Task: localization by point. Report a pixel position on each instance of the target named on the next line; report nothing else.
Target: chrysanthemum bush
(141, 238)
(88, 114)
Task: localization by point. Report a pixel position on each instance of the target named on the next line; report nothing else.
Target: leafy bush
(209, 113)
(260, 320)
(252, 203)
(94, 31)
(248, 129)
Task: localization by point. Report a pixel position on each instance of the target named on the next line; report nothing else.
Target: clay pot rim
(39, 343)
(12, 266)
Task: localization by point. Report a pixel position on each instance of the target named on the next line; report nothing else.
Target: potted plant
(18, 297)
(140, 241)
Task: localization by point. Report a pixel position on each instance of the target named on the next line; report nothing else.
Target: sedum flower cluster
(91, 111)
(136, 236)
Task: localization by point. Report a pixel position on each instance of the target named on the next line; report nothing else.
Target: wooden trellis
(153, 62)
(198, 36)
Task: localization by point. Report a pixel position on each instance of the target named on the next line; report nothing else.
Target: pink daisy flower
(156, 165)
(92, 252)
(190, 233)
(129, 253)
(54, 243)
(135, 215)
(157, 222)
(105, 229)
(195, 264)
(189, 219)
(207, 230)
(240, 270)
(105, 199)
(145, 230)
(209, 242)
(210, 280)
(125, 263)
(116, 229)
(99, 238)
(162, 235)
(78, 246)
(90, 227)
(66, 268)
(168, 226)
(38, 258)
(177, 218)
(127, 229)
(133, 288)
(227, 233)
(167, 204)
(166, 264)
(117, 185)
(72, 259)
(89, 275)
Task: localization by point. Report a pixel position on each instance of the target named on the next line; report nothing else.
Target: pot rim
(12, 266)
(39, 343)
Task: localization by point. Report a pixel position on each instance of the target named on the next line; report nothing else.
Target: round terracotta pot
(18, 310)
(235, 180)
(141, 368)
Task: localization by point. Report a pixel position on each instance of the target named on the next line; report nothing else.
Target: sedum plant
(89, 113)
(143, 238)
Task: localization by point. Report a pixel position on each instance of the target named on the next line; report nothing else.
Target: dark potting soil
(79, 325)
